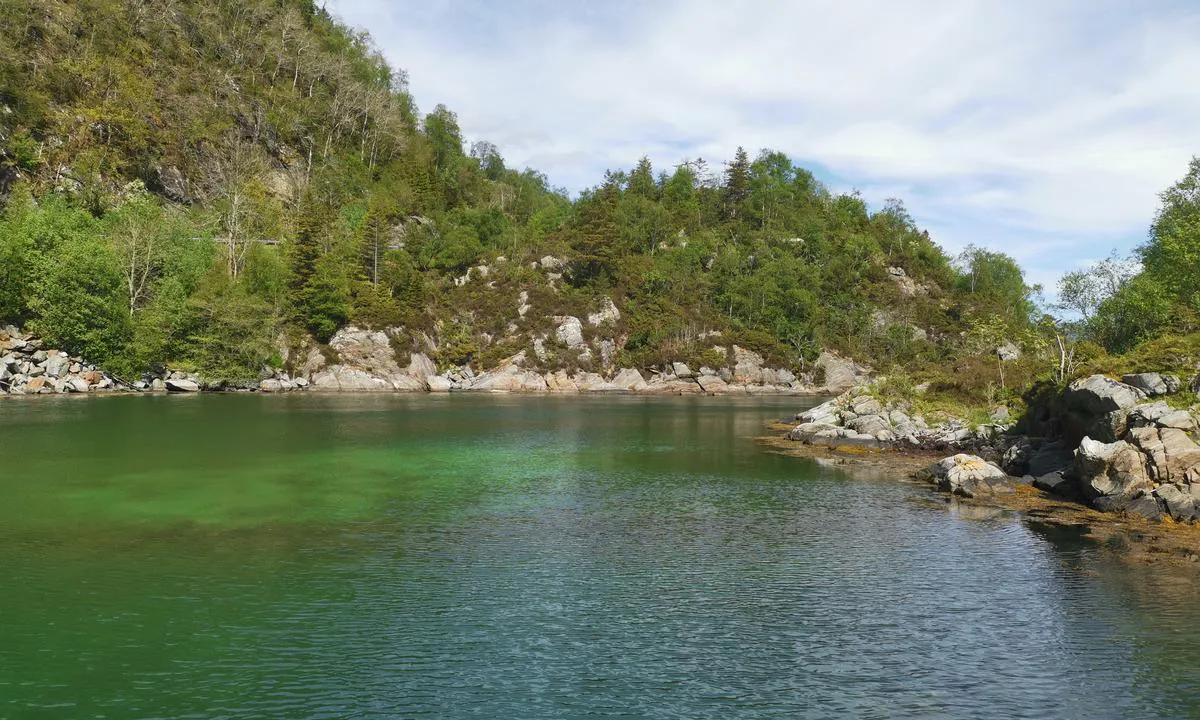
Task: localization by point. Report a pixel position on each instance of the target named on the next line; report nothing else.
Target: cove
(536, 557)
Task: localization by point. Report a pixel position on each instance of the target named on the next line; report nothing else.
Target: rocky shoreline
(1105, 444)
(361, 360)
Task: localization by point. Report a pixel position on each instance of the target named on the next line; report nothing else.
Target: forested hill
(188, 182)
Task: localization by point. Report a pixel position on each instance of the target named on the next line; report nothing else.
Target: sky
(1041, 128)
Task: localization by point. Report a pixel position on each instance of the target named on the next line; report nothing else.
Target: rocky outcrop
(857, 419)
(840, 374)
(969, 476)
(27, 368)
(368, 363)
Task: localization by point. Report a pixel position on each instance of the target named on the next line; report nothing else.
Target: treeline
(1147, 303)
(191, 182)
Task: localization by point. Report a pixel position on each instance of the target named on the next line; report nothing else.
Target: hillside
(208, 185)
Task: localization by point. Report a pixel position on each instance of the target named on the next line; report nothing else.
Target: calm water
(395, 557)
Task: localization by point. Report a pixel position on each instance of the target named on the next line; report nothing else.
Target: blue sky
(1042, 128)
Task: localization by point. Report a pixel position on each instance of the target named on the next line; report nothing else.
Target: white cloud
(1041, 129)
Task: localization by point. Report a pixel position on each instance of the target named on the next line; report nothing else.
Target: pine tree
(737, 183)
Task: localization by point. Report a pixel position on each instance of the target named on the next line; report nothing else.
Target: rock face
(510, 377)
(840, 373)
(369, 364)
(570, 332)
(969, 476)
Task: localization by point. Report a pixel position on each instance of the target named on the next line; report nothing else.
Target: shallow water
(519, 557)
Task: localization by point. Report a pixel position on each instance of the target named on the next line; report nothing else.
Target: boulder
(826, 413)
(1111, 469)
(270, 386)
(1150, 383)
(559, 382)
(747, 366)
(1142, 504)
(712, 384)
(1099, 395)
(590, 382)
(57, 366)
(509, 377)
(840, 373)
(608, 313)
(969, 476)
(76, 384)
(366, 350)
(1008, 352)
(420, 366)
(1178, 501)
(438, 384)
(630, 380)
(682, 371)
(1160, 414)
(1173, 456)
(181, 385)
(570, 332)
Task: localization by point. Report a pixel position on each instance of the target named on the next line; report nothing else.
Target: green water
(494, 557)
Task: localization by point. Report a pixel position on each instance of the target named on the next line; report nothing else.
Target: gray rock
(270, 386)
(712, 384)
(438, 383)
(182, 386)
(1058, 483)
(608, 313)
(1099, 395)
(1179, 504)
(866, 405)
(629, 379)
(840, 373)
(570, 332)
(1150, 383)
(969, 476)
(76, 385)
(1051, 457)
(1144, 505)
(158, 385)
(1111, 469)
(682, 371)
(420, 366)
(1008, 352)
(300, 382)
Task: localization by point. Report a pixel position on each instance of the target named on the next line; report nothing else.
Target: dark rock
(1058, 483)
(1143, 505)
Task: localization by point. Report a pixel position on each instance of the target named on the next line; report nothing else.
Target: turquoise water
(506, 557)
